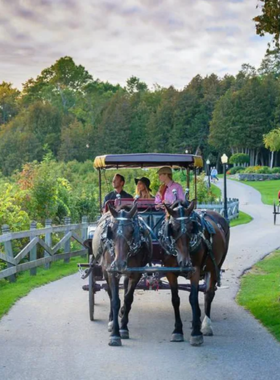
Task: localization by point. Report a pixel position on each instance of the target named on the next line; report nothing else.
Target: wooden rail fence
(232, 207)
(17, 261)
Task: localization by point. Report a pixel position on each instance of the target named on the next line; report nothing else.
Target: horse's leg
(110, 323)
(125, 287)
(128, 299)
(196, 335)
(177, 334)
(208, 298)
(115, 339)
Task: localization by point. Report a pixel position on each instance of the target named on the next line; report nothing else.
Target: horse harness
(196, 236)
(134, 245)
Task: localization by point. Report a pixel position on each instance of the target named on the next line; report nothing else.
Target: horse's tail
(225, 226)
(219, 219)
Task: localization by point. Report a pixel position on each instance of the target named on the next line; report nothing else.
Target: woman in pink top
(165, 193)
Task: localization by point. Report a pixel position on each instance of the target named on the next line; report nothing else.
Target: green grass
(242, 219)
(216, 191)
(11, 292)
(268, 189)
(260, 292)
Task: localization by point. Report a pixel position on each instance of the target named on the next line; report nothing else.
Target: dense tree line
(75, 117)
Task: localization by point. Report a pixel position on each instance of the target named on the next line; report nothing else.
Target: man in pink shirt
(165, 194)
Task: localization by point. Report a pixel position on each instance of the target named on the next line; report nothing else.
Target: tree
(58, 84)
(76, 142)
(8, 102)
(23, 139)
(271, 64)
(10, 211)
(240, 118)
(239, 159)
(269, 20)
(161, 123)
(133, 84)
(272, 142)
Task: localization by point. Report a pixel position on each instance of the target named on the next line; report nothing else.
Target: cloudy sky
(160, 41)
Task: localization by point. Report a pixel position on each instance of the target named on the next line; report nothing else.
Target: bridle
(134, 244)
(166, 240)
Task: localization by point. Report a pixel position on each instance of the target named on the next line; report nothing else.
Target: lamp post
(224, 160)
(208, 172)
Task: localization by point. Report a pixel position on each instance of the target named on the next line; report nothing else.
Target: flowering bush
(252, 169)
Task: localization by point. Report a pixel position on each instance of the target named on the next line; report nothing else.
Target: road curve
(48, 335)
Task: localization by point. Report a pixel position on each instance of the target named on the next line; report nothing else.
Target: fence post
(67, 221)
(84, 230)
(8, 250)
(33, 251)
(48, 241)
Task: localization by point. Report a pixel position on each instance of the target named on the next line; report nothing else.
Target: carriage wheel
(91, 296)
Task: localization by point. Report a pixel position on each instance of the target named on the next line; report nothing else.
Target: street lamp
(208, 172)
(224, 160)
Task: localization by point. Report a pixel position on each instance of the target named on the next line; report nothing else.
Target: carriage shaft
(153, 270)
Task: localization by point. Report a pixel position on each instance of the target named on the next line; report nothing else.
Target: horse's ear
(175, 203)
(113, 211)
(132, 212)
(169, 210)
(190, 207)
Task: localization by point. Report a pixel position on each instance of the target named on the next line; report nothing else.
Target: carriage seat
(146, 209)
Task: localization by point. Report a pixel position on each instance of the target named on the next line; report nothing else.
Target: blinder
(195, 227)
(134, 243)
(109, 232)
(166, 236)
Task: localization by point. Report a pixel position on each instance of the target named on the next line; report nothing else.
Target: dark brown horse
(121, 242)
(199, 241)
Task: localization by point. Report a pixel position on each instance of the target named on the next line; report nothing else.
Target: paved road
(48, 335)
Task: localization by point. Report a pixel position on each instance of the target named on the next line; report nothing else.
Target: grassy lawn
(216, 191)
(242, 219)
(260, 292)
(268, 189)
(11, 292)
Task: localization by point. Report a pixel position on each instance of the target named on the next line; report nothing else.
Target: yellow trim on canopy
(99, 162)
(198, 162)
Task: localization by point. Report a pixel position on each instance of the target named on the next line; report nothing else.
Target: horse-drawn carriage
(143, 243)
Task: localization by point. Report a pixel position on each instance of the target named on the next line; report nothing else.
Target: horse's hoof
(115, 341)
(124, 334)
(177, 338)
(206, 327)
(208, 332)
(196, 340)
(110, 326)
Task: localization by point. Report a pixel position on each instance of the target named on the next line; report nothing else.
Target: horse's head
(178, 232)
(123, 233)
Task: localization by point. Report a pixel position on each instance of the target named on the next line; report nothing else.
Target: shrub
(252, 169)
(239, 158)
(236, 169)
(275, 170)
(264, 170)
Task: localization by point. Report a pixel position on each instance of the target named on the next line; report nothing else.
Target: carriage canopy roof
(147, 160)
